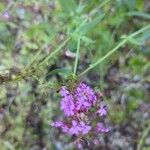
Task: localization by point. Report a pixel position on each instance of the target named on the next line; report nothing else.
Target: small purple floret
(102, 111)
(75, 129)
(85, 128)
(100, 127)
(57, 124)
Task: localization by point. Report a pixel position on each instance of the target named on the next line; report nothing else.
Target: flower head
(81, 106)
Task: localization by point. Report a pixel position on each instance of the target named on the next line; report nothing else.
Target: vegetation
(49, 43)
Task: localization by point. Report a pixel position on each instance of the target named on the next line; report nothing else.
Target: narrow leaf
(68, 6)
(89, 26)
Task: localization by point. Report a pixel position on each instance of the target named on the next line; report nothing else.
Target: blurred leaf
(87, 40)
(32, 45)
(139, 4)
(92, 24)
(132, 40)
(72, 45)
(131, 106)
(68, 6)
(146, 148)
(9, 145)
(41, 32)
(137, 62)
(139, 14)
(117, 115)
(135, 41)
(61, 71)
(80, 9)
(131, 4)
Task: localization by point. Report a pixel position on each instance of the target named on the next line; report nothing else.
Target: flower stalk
(77, 57)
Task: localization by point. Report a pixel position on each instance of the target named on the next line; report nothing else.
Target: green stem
(114, 49)
(145, 133)
(34, 59)
(104, 3)
(61, 46)
(139, 31)
(64, 43)
(77, 57)
(103, 58)
(54, 52)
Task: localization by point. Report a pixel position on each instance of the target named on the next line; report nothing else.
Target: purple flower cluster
(82, 99)
(83, 110)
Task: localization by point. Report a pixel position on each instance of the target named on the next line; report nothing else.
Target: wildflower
(76, 105)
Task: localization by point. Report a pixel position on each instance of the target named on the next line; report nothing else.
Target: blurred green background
(29, 104)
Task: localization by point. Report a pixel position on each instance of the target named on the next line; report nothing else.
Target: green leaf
(32, 45)
(132, 40)
(80, 9)
(89, 26)
(72, 46)
(87, 40)
(135, 41)
(131, 4)
(61, 71)
(139, 4)
(139, 14)
(8, 145)
(68, 6)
